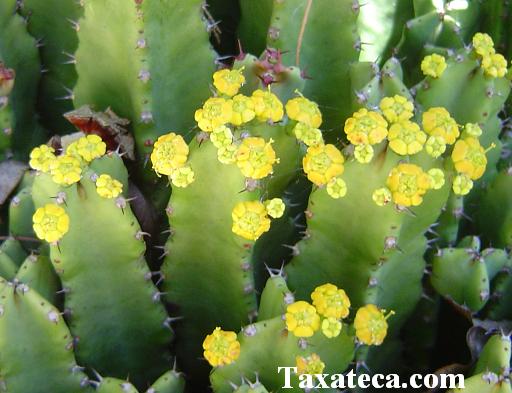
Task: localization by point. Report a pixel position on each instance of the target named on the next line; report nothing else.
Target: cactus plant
(314, 185)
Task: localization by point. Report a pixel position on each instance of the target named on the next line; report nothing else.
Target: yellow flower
(408, 183)
(371, 325)
(301, 319)
(221, 348)
(406, 138)
(255, 157)
(267, 106)
(169, 152)
(107, 187)
(310, 136)
(227, 154)
(436, 178)
(483, 44)
(88, 147)
(397, 108)
(330, 301)
(336, 188)
(462, 184)
(363, 153)
(250, 219)
(50, 222)
(382, 196)
(433, 65)
(275, 207)
(66, 170)
(228, 81)
(435, 146)
(473, 129)
(304, 111)
(215, 113)
(438, 122)
(243, 110)
(41, 158)
(494, 65)
(321, 163)
(331, 327)
(468, 156)
(309, 365)
(366, 127)
(221, 136)
(182, 177)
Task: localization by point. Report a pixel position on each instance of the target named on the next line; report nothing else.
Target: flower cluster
(67, 168)
(493, 64)
(169, 157)
(330, 305)
(222, 116)
(87, 148)
(251, 219)
(329, 302)
(433, 65)
(407, 183)
(51, 221)
(311, 364)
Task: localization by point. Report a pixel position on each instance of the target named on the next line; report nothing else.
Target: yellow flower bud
(182, 177)
(275, 207)
(331, 327)
(336, 188)
(433, 65)
(363, 153)
(107, 187)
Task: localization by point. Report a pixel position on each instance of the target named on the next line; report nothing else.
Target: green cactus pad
(157, 37)
(37, 272)
(170, 382)
(324, 50)
(18, 51)
(267, 345)
(104, 249)
(54, 24)
(35, 345)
